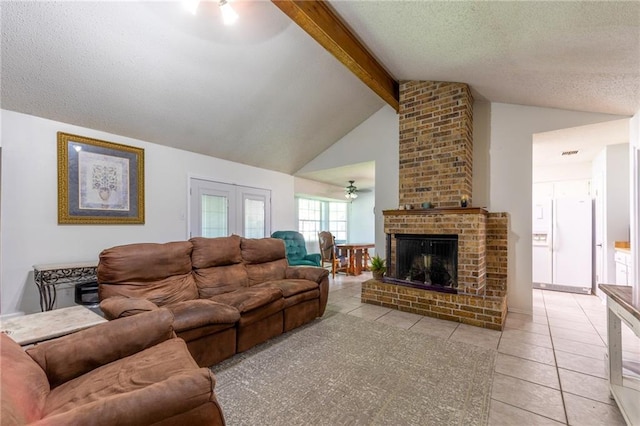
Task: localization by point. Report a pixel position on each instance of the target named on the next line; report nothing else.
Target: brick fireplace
(436, 156)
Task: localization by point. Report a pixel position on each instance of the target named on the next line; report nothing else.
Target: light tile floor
(550, 367)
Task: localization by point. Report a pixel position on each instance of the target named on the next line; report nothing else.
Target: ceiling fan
(351, 191)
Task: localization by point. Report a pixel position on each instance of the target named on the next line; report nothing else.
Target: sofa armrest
(314, 257)
(70, 356)
(149, 405)
(319, 275)
(310, 273)
(191, 314)
(120, 306)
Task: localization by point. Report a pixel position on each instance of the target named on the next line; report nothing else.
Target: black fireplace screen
(428, 259)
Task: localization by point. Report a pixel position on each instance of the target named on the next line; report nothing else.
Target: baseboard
(7, 316)
(563, 288)
(518, 311)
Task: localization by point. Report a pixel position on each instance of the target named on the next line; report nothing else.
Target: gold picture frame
(99, 182)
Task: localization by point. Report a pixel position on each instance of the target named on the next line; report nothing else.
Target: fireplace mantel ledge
(436, 211)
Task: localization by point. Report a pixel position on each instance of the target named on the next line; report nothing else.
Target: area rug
(343, 370)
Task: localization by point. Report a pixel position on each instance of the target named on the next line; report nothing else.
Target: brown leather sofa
(227, 294)
(131, 371)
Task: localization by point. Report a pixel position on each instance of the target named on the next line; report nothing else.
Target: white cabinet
(624, 266)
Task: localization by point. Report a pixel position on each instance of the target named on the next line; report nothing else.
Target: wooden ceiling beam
(318, 19)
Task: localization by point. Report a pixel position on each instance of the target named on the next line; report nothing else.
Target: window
(316, 215)
(338, 221)
(309, 218)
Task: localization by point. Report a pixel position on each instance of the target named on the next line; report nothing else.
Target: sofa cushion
(143, 369)
(302, 297)
(262, 250)
(248, 299)
(220, 279)
(160, 273)
(290, 287)
(268, 271)
(24, 385)
(222, 251)
(274, 308)
(121, 306)
(202, 312)
(305, 262)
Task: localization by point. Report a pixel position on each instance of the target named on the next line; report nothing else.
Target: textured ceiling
(588, 140)
(261, 92)
(575, 55)
(264, 93)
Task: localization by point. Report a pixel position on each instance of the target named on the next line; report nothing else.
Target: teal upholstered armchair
(296, 250)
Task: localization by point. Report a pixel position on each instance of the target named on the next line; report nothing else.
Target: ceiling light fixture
(229, 16)
(191, 5)
(351, 191)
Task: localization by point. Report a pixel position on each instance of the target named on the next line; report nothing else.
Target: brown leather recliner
(228, 294)
(131, 371)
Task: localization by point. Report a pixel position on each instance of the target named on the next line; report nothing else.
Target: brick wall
(487, 312)
(497, 254)
(436, 143)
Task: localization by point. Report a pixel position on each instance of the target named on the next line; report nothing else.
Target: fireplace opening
(429, 261)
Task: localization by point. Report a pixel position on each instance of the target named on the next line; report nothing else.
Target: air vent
(569, 152)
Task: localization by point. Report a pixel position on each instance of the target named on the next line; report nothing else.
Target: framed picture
(99, 182)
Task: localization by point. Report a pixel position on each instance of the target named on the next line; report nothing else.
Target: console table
(47, 277)
(625, 389)
(34, 328)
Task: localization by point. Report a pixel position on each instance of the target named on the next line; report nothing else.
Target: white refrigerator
(563, 245)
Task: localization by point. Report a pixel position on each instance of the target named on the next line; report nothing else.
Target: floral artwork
(99, 182)
(104, 182)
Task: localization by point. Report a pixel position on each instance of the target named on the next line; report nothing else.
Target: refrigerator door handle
(555, 236)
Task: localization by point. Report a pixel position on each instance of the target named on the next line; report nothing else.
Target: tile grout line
(555, 359)
(528, 411)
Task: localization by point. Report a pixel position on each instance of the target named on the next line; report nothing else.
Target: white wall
(29, 230)
(376, 139)
(314, 189)
(612, 163)
(510, 177)
(362, 219)
(617, 201)
(562, 172)
(634, 196)
(481, 179)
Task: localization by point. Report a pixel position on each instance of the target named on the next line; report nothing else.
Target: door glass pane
(254, 218)
(214, 215)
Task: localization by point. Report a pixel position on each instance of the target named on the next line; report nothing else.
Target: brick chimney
(436, 143)
(436, 165)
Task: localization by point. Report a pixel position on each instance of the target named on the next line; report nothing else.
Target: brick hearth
(436, 156)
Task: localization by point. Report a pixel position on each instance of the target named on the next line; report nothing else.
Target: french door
(221, 209)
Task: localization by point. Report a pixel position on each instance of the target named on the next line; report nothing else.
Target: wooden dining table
(358, 256)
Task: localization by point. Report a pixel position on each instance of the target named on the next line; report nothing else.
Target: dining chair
(329, 254)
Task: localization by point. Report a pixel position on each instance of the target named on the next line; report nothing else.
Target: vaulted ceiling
(264, 93)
